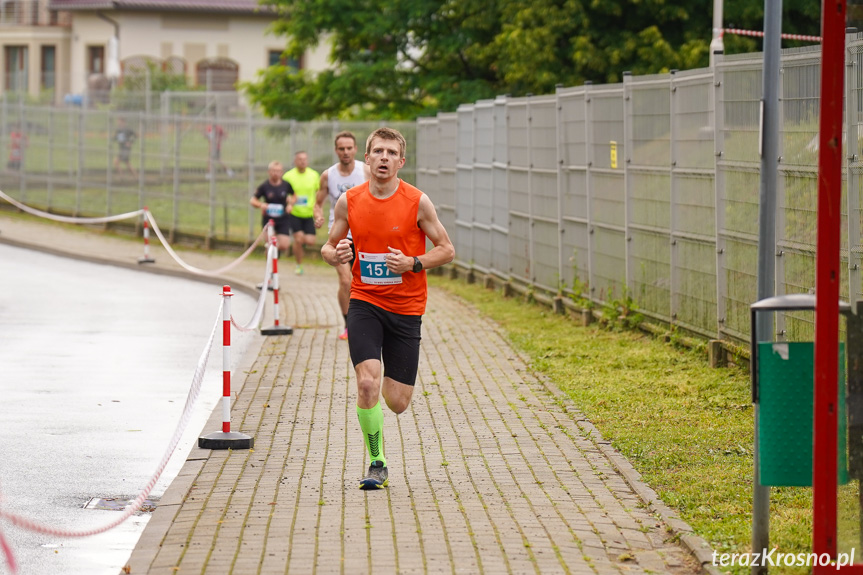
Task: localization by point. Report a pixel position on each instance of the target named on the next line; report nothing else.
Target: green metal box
(785, 390)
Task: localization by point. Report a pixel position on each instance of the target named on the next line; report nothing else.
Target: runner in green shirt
(305, 182)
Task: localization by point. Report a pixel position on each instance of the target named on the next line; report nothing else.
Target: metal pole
(80, 162)
(766, 245)
(827, 279)
(142, 139)
(719, 194)
(109, 177)
(253, 216)
(716, 45)
(50, 182)
(175, 216)
(588, 162)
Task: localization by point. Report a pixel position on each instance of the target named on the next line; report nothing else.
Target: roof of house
(213, 6)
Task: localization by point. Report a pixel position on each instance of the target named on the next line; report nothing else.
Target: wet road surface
(95, 365)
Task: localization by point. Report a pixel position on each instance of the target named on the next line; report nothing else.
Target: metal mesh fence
(649, 190)
(194, 172)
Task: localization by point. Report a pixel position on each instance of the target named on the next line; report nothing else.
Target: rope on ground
(191, 398)
(67, 219)
(253, 323)
(193, 269)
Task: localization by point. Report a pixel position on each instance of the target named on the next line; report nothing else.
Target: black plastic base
(146, 261)
(277, 330)
(222, 440)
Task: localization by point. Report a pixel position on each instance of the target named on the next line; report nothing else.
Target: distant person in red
(215, 134)
(17, 143)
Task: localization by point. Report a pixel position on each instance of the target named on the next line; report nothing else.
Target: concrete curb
(147, 547)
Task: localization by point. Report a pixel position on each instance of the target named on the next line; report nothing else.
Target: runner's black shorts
(305, 225)
(282, 225)
(374, 333)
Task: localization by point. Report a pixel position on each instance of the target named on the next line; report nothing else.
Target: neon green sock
(372, 424)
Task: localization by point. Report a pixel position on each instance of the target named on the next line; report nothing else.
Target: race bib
(374, 270)
(302, 201)
(275, 210)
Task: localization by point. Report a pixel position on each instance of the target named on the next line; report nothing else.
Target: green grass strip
(686, 427)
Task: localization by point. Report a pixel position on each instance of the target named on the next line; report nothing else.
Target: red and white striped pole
(276, 329)
(226, 359)
(226, 439)
(146, 259)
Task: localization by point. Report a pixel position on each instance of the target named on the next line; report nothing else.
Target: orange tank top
(377, 224)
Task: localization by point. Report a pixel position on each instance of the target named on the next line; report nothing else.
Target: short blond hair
(387, 134)
(275, 164)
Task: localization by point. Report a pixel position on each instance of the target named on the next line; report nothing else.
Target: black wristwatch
(418, 265)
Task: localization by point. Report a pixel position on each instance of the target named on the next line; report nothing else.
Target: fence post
(22, 169)
(253, 215)
(588, 153)
(852, 99)
(175, 216)
(142, 139)
(531, 237)
(627, 178)
(80, 157)
(109, 154)
(672, 202)
(718, 189)
(50, 166)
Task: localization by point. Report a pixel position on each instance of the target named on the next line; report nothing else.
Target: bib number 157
(374, 270)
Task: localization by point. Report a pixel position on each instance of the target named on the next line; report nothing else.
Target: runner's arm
(322, 194)
(256, 201)
(338, 247)
(443, 251)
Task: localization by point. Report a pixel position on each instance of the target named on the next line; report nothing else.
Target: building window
(276, 58)
(49, 67)
(95, 59)
(16, 69)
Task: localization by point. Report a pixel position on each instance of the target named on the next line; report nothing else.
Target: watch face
(418, 266)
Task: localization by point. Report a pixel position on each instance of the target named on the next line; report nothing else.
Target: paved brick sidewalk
(491, 469)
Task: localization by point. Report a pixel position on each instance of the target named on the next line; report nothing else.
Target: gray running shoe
(376, 478)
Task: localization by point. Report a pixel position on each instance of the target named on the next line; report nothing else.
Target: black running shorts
(305, 225)
(374, 333)
(282, 226)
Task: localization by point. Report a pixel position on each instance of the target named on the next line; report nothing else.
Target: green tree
(398, 59)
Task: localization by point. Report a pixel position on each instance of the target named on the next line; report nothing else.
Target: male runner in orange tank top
(389, 220)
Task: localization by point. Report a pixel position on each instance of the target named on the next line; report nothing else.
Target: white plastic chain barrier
(194, 391)
(259, 308)
(193, 269)
(66, 219)
(31, 525)
(759, 34)
(128, 215)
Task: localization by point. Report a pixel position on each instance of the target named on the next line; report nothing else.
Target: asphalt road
(95, 365)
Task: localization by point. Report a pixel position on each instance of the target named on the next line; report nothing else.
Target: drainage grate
(119, 504)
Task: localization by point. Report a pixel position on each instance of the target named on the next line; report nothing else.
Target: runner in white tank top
(335, 181)
(337, 184)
